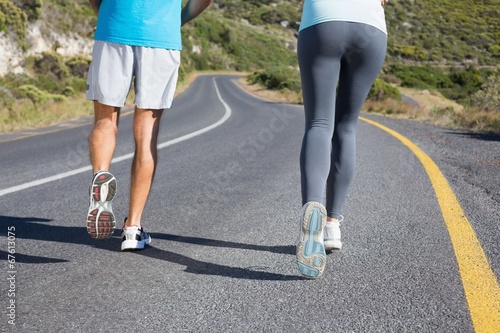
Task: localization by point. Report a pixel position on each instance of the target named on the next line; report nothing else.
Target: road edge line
(226, 116)
(478, 279)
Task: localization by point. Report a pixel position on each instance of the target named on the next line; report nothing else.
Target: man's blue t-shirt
(149, 23)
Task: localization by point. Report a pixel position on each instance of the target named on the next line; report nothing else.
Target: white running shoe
(332, 234)
(134, 238)
(100, 218)
(311, 255)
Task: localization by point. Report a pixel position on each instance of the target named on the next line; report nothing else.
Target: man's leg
(102, 139)
(146, 128)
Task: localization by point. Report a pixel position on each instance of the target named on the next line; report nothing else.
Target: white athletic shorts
(114, 67)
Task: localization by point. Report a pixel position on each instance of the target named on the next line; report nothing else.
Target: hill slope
(449, 46)
(437, 31)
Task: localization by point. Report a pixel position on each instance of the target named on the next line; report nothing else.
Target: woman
(341, 48)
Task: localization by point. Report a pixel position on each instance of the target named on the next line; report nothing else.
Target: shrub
(381, 90)
(279, 78)
(78, 65)
(421, 77)
(51, 64)
(488, 98)
(184, 71)
(17, 20)
(200, 61)
(210, 29)
(3, 27)
(37, 96)
(495, 50)
(283, 11)
(58, 98)
(48, 83)
(68, 91)
(6, 98)
(410, 52)
(470, 79)
(78, 84)
(32, 8)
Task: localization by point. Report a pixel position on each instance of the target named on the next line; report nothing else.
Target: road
(223, 215)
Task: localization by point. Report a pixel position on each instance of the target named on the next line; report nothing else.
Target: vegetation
(445, 47)
(13, 20)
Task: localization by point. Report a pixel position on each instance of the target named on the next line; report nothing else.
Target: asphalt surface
(223, 215)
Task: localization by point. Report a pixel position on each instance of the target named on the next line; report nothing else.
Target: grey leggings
(350, 54)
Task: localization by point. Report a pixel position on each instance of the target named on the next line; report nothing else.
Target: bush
(48, 83)
(58, 98)
(32, 8)
(421, 77)
(68, 91)
(210, 29)
(37, 96)
(283, 11)
(3, 27)
(470, 80)
(51, 64)
(280, 78)
(200, 61)
(381, 91)
(410, 52)
(17, 20)
(6, 98)
(494, 50)
(488, 98)
(78, 84)
(78, 66)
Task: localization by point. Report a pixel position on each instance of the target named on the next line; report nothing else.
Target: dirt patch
(286, 97)
(429, 100)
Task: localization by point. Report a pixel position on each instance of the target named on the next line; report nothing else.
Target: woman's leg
(319, 62)
(360, 66)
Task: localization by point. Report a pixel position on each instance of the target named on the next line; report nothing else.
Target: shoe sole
(311, 255)
(134, 244)
(101, 221)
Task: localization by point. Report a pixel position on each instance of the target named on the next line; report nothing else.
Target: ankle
(127, 224)
(334, 219)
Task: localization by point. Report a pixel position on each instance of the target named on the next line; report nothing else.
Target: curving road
(223, 217)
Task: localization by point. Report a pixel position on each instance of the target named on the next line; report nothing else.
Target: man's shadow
(39, 229)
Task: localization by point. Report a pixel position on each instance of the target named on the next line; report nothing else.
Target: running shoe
(311, 255)
(332, 234)
(134, 238)
(100, 219)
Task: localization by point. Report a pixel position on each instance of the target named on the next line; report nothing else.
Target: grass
(433, 108)
(248, 36)
(24, 114)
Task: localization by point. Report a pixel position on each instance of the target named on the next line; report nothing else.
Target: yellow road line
(480, 283)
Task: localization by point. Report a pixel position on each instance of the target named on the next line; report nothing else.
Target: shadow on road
(478, 136)
(200, 267)
(38, 229)
(285, 249)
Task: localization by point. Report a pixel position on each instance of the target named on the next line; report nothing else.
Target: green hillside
(464, 31)
(436, 31)
(427, 31)
(449, 46)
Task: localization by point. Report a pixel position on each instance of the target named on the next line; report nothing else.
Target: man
(137, 40)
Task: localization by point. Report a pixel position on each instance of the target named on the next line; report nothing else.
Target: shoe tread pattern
(311, 255)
